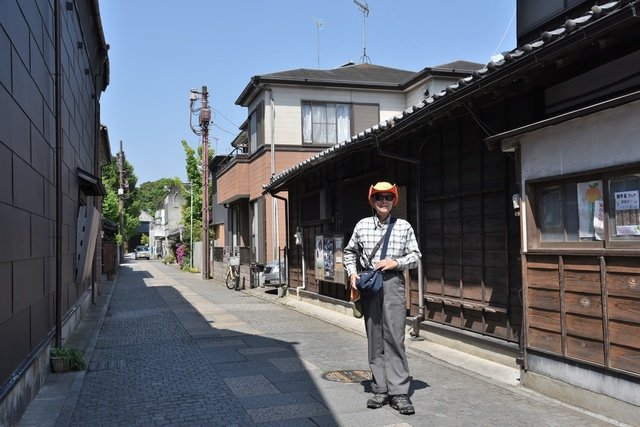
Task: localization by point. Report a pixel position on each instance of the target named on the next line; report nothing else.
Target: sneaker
(402, 404)
(378, 400)
(357, 308)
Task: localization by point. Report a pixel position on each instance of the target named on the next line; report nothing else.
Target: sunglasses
(380, 197)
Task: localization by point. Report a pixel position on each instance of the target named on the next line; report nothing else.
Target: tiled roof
(502, 62)
(351, 75)
(357, 73)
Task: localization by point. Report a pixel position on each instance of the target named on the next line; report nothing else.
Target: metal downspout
(421, 307)
(286, 228)
(300, 239)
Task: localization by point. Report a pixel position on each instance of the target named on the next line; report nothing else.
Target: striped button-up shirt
(402, 247)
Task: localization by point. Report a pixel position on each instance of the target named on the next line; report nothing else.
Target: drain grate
(101, 365)
(347, 376)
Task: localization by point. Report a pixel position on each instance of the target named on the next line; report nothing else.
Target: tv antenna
(365, 12)
(319, 25)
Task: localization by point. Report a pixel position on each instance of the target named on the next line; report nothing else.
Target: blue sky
(161, 49)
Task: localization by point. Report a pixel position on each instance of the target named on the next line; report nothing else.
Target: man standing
(384, 311)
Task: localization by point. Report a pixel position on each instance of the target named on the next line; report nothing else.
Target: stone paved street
(176, 350)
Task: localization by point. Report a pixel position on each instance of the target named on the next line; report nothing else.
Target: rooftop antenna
(365, 12)
(319, 25)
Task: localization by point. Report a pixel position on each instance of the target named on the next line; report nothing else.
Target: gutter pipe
(286, 227)
(300, 241)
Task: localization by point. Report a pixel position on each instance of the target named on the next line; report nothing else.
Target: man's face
(383, 202)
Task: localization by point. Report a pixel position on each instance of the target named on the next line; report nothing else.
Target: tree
(152, 193)
(194, 175)
(111, 205)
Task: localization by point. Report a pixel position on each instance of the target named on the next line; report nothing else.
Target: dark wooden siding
(471, 238)
(585, 308)
(467, 230)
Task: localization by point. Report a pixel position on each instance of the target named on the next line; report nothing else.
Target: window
(255, 131)
(325, 123)
(595, 211)
(625, 207)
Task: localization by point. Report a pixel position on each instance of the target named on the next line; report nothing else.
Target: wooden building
(491, 171)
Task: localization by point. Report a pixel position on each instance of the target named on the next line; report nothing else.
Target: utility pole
(204, 118)
(191, 227)
(121, 197)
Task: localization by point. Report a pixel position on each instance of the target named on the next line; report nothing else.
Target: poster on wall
(598, 219)
(627, 213)
(329, 257)
(319, 256)
(589, 193)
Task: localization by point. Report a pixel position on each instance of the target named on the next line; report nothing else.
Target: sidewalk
(168, 348)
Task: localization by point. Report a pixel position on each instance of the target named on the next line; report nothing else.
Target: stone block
(15, 137)
(28, 187)
(14, 228)
(28, 285)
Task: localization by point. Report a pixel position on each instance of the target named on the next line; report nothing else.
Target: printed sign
(627, 200)
(588, 194)
(329, 258)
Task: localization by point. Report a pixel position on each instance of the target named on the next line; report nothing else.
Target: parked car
(142, 251)
(275, 274)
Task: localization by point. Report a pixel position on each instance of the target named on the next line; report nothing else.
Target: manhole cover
(348, 376)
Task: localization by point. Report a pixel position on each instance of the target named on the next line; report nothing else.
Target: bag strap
(383, 254)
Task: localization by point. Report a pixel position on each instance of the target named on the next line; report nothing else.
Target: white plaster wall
(288, 129)
(606, 138)
(434, 85)
(416, 94)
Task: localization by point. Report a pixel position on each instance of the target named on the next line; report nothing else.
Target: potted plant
(65, 359)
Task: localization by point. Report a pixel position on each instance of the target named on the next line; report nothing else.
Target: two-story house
(292, 116)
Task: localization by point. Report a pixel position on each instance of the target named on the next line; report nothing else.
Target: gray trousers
(385, 316)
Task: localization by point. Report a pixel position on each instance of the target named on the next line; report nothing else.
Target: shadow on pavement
(161, 359)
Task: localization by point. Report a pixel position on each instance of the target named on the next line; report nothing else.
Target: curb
(64, 416)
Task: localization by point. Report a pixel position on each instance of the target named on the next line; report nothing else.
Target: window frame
(534, 189)
(324, 104)
(255, 119)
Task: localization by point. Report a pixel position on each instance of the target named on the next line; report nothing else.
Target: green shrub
(74, 357)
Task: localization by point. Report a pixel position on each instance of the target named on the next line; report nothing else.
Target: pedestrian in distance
(384, 310)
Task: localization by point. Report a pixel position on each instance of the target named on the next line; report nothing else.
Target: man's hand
(386, 264)
(353, 279)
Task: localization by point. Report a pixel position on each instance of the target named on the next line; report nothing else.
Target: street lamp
(204, 117)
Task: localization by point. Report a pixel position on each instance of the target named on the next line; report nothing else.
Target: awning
(90, 184)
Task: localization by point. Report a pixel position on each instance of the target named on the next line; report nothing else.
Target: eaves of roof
(508, 65)
(373, 77)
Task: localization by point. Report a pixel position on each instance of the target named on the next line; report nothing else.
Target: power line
(224, 117)
(505, 31)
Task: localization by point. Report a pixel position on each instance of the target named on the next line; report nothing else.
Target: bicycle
(233, 277)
